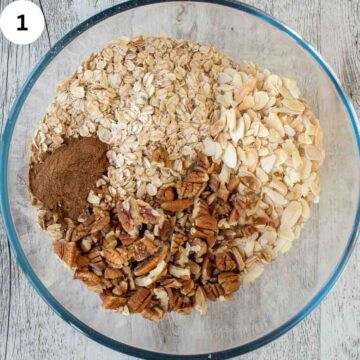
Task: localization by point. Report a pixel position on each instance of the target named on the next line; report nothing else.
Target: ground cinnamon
(64, 179)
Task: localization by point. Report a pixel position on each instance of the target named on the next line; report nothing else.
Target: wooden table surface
(29, 329)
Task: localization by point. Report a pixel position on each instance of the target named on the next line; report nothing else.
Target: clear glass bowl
(291, 286)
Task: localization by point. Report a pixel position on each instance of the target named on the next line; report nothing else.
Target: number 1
(22, 21)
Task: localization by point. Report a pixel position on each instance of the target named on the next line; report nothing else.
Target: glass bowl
(291, 286)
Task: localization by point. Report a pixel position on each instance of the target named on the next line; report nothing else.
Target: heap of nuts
(172, 252)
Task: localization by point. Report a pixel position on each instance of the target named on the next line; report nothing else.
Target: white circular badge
(22, 22)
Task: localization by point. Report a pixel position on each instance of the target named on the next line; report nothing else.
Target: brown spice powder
(64, 179)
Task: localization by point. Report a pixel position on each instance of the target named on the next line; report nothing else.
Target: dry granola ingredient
(63, 179)
(169, 228)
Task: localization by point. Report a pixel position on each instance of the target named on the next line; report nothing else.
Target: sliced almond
(238, 133)
(261, 99)
(224, 175)
(209, 146)
(231, 119)
(291, 215)
(230, 156)
(267, 163)
(275, 197)
(313, 153)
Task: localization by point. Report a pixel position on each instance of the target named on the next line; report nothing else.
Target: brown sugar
(64, 179)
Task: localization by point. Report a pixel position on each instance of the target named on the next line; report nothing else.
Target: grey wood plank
(36, 332)
(340, 312)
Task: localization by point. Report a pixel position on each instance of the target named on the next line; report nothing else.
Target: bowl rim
(21, 257)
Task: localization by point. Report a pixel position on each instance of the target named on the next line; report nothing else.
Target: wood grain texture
(28, 327)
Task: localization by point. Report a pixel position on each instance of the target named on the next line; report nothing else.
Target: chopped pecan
(144, 247)
(128, 224)
(200, 301)
(161, 156)
(197, 177)
(238, 258)
(86, 244)
(167, 228)
(111, 273)
(82, 261)
(176, 205)
(139, 300)
(177, 240)
(110, 241)
(154, 313)
(213, 291)
(207, 222)
(181, 258)
(208, 235)
(199, 247)
(79, 232)
(233, 183)
(189, 190)
(145, 214)
(205, 225)
(88, 277)
(223, 192)
(155, 274)
(230, 282)
(112, 302)
(186, 306)
(195, 270)
(206, 270)
(117, 258)
(220, 208)
(102, 219)
(96, 260)
(224, 262)
(178, 272)
(188, 288)
(147, 265)
(176, 301)
(69, 226)
(214, 183)
(127, 239)
(202, 162)
(67, 252)
(130, 277)
(121, 288)
(171, 283)
(166, 193)
(234, 217)
(200, 208)
(163, 297)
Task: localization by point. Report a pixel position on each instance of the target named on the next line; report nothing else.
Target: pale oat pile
(187, 226)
